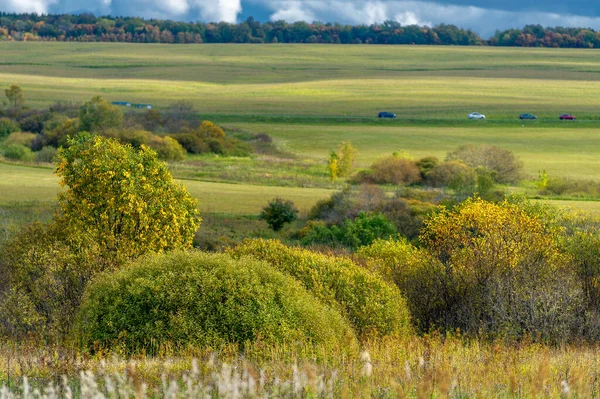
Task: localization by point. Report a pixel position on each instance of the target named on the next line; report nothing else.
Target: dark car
(527, 116)
(567, 117)
(386, 115)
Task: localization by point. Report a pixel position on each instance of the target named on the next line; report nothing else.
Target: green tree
(8, 126)
(15, 96)
(97, 115)
(278, 213)
(125, 199)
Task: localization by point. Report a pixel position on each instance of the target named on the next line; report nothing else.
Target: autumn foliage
(124, 198)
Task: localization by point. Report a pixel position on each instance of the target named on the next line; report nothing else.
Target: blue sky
(483, 16)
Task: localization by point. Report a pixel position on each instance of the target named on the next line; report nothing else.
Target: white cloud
(481, 19)
(292, 11)
(410, 18)
(219, 10)
(38, 6)
(374, 12)
(485, 21)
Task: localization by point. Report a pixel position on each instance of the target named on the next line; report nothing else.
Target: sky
(482, 16)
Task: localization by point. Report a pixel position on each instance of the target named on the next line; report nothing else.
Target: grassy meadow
(22, 183)
(309, 99)
(432, 82)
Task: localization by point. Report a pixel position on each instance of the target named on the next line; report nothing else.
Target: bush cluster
(195, 299)
(502, 163)
(171, 135)
(499, 269)
(373, 306)
(343, 207)
(119, 203)
(571, 187)
(210, 138)
(352, 233)
(467, 170)
(43, 271)
(390, 170)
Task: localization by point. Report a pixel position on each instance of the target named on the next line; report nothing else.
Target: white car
(475, 115)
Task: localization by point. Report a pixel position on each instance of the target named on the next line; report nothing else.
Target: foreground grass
(416, 367)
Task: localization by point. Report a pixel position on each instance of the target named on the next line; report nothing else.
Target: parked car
(475, 115)
(527, 116)
(567, 117)
(386, 115)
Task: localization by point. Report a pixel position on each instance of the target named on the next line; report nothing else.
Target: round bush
(17, 152)
(194, 299)
(373, 306)
(46, 154)
(20, 138)
(8, 126)
(394, 170)
(505, 166)
(451, 174)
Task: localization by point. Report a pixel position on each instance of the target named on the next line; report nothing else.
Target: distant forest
(89, 28)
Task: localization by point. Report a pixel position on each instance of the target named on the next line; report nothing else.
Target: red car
(567, 117)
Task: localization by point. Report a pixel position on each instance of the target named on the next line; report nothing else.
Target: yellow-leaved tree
(119, 203)
(123, 198)
(503, 271)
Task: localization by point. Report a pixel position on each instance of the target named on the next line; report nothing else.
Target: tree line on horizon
(89, 28)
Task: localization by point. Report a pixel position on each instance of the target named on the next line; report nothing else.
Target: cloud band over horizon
(483, 16)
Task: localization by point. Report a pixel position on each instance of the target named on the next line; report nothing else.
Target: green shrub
(17, 152)
(366, 228)
(20, 138)
(353, 233)
(504, 165)
(572, 187)
(195, 299)
(416, 273)
(192, 143)
(319, 233)
(426, 164)
(46, 155)
(43, 271)
(8, 126)
(372, 305)
(168, 149)
(452, 174)
(279, 212)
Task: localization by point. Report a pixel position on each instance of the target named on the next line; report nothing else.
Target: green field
(309, 98)
(561, 152)
(434, 82)
(21, 183)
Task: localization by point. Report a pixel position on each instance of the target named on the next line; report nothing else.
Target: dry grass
(417, 367)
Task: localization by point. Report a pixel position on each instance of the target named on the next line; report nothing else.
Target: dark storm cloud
(483, 16)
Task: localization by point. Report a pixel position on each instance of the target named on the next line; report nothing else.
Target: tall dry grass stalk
(417, 367)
